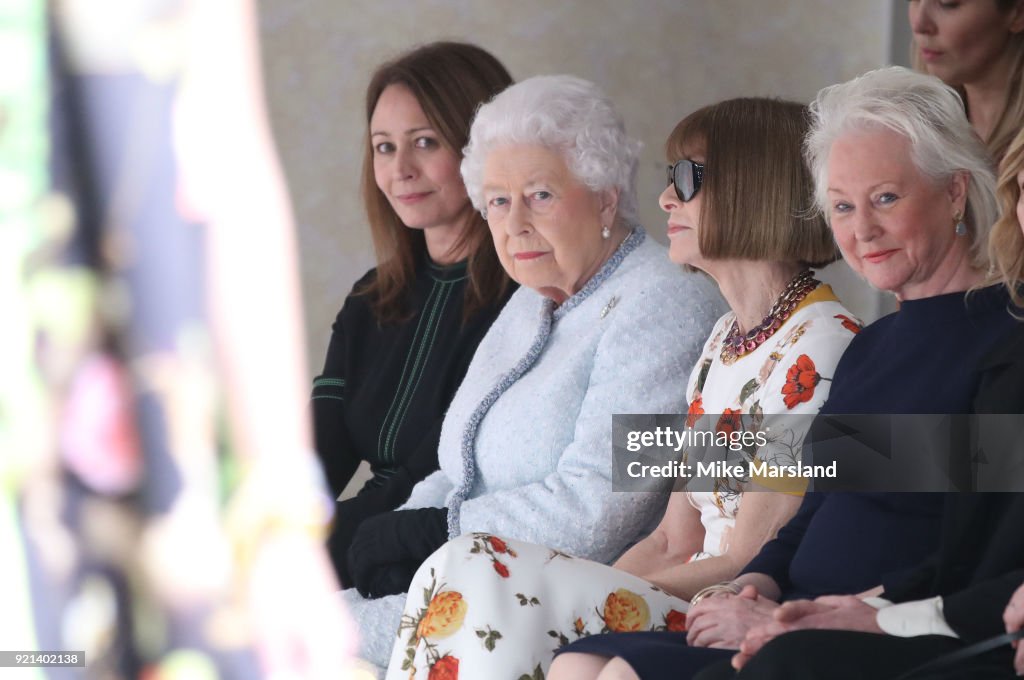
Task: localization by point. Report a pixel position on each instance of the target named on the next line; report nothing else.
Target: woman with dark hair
(403, 340)
(977, 46)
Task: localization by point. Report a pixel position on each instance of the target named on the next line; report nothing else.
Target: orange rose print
(801, 379)
(578, 626)
(501, 569)
(445, 668)
(497, 544)
(696, 411)
(730, 422)
(625, 612)
(675, 621)
(849, 324)
(444, 616)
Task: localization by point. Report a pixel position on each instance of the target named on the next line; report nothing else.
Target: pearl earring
(606, 232)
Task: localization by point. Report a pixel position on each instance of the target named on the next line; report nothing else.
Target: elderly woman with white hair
(970, 591)
(908, 189)
(603, 323)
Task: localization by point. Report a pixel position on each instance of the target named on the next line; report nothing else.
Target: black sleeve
(976, 612)
(331, 439)
(388, 494)
(777, 554)
(392, 492)
(374, 500)
(914, 583)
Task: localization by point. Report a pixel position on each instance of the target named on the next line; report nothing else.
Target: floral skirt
(487, 607)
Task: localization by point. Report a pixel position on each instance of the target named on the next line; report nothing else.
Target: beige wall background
(657, 59)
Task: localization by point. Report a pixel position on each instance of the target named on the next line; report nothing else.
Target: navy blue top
(921, 359)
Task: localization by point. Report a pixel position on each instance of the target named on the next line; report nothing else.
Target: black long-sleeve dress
(977, 567)
(384, 391)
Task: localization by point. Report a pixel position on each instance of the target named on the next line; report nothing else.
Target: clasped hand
(722, 621)
(835, 612)
(388, 548)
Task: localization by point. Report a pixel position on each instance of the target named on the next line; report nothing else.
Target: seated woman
(959, 597)
(737, 200)
(978, 48)
(602, 324)
(908, 190)
(402, 342)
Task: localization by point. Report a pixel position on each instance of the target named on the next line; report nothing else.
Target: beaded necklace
(737, 345)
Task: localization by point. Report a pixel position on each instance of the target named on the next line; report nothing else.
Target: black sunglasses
(686, 176)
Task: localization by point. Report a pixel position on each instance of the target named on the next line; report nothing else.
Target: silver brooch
(608, 307)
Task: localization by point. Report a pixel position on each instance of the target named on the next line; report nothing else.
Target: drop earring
(606, 232)
(961, 226)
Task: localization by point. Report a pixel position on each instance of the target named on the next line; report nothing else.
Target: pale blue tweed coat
(525, 449)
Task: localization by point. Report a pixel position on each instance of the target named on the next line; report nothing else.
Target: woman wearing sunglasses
(737, 199)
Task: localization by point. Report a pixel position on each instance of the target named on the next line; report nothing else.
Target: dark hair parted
(449, 80)
(757, 190)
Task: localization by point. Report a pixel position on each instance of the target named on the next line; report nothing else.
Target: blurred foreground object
(160, 508)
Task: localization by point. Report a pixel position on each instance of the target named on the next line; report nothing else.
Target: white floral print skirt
(488, 607)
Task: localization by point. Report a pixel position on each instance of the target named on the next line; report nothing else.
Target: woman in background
(403, 340)
(977, 46)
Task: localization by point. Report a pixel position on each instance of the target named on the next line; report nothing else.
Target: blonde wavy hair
(1006, 241)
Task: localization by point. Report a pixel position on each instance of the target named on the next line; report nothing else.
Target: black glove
(388, 548)
(389, 579)
(348, 516)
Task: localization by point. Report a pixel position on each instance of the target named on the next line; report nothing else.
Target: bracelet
(730, 587)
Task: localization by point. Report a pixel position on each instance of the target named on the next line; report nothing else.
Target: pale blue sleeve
(641, 365)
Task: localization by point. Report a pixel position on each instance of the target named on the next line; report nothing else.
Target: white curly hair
(926, 111)
(561, 112)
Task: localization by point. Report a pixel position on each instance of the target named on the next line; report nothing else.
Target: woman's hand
(834, 612)
(1013, 617)
(388, 548)
(663, 559)
(722, 621)
(677, 537)
(757, 637)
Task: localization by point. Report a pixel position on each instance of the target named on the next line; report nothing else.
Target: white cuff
(910, 619)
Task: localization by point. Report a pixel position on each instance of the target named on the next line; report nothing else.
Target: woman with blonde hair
(1006, 242)
(977, 46)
